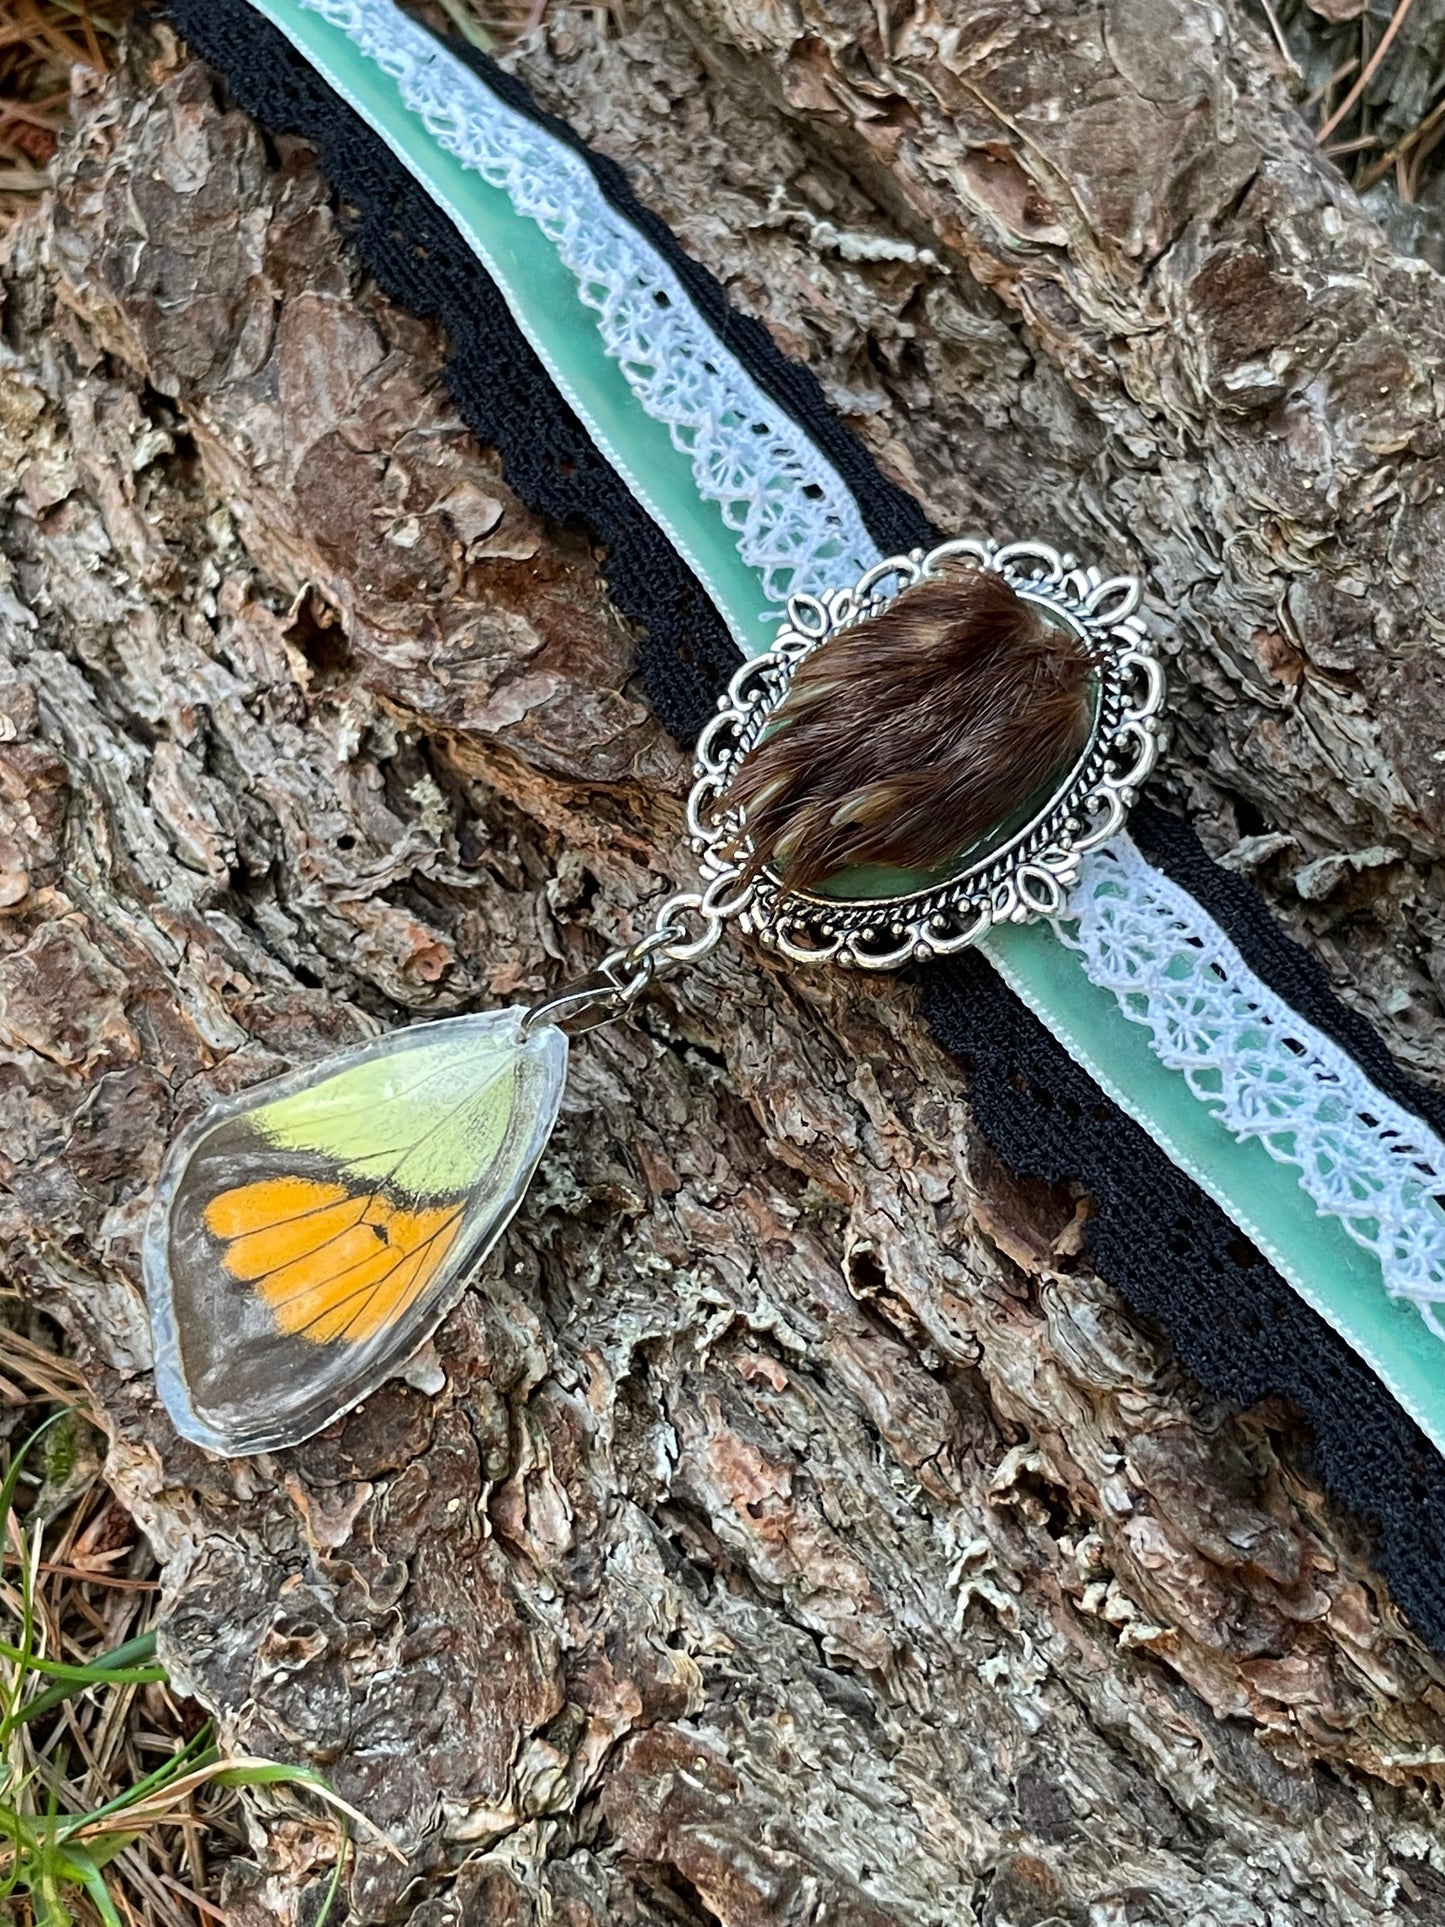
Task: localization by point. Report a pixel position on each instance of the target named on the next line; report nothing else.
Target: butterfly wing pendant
(310, 1234)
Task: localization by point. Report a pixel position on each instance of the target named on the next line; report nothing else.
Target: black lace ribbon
(1167, 1247)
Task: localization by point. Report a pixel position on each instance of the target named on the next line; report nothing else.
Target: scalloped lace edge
(1261, 1069)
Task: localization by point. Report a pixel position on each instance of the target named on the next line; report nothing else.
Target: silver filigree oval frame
(1025, 877)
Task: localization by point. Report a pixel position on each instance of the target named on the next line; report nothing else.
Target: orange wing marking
(330, 1263)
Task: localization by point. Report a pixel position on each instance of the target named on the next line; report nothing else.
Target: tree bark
(790, 1526)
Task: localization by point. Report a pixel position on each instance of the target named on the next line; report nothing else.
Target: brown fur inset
(903, 739)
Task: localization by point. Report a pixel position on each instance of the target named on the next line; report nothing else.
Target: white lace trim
(795, 520)
(1262, 1070)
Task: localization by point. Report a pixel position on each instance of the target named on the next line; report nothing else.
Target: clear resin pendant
(307, 1236)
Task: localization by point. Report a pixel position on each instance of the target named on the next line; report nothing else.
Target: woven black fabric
(1167, 1247)
(1290, 971)
(1177, 1258)
(500, 387)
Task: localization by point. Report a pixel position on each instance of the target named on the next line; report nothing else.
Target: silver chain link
(611, 990)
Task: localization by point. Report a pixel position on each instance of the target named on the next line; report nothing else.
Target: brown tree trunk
(790, 1527)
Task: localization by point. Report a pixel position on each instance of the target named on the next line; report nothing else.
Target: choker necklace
(308, 1235)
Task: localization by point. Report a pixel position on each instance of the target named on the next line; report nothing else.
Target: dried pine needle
(1372, 86)
(115, 1808)
(492, 25)
(40, 42)
(1371, 68)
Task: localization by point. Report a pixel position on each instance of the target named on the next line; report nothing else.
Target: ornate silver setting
(1025, 877)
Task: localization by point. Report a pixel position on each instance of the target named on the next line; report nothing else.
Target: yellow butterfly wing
(308, 1236)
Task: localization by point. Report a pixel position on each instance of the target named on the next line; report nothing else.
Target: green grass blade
(333, 1886)
(105, 1846)
(50, 1909)
(42, 1872)
(112, 1664)
(17, 1829)
(270, 1773)
(10, 1483)
(77, 1867)
(92, 1675)
(195, 1754)
(14, 1689)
